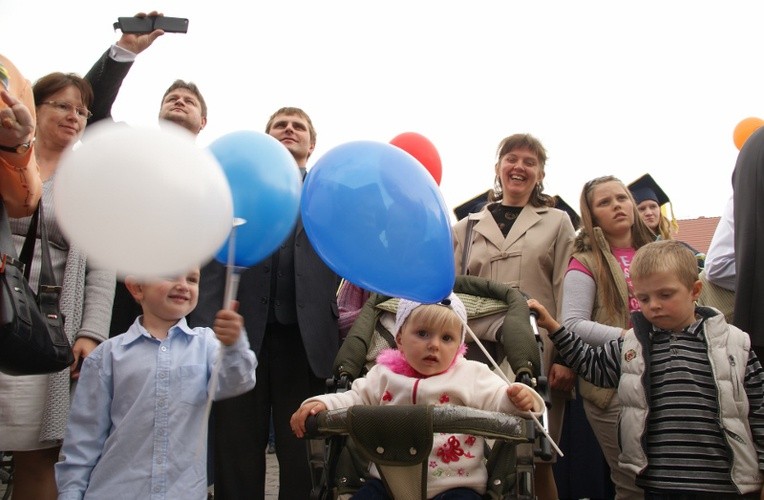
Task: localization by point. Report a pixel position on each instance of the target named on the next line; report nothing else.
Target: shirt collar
(137, 330)
(694, 329)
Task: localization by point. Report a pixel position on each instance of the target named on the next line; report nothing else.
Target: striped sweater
(671, 433)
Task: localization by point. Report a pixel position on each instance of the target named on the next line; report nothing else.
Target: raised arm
(110, 70)
(20, 183)
(599, 365)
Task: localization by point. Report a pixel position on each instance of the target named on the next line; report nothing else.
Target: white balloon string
(233, 274)
(229, 268)
(504, 377)
(546, 433)
(211, 389)
(495, 366)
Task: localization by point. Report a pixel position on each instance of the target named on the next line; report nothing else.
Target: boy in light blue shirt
(137, 428)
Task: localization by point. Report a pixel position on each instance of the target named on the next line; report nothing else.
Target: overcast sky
(610, 87)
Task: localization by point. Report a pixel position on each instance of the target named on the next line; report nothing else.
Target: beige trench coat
(533, 257)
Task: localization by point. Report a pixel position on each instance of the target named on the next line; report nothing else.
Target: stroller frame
(398, 440)
(404, 433)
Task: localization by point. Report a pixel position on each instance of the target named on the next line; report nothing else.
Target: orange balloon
(744, 129)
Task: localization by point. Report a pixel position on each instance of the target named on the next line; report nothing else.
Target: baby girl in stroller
(428, 368)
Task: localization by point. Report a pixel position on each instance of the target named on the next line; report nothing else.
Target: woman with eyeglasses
(36, 407)
(598, 299)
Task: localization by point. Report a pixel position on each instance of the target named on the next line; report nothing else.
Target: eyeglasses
(67, 107)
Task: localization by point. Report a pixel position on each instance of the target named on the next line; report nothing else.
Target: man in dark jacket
(748, 200)
(182, 104)
(290, 313)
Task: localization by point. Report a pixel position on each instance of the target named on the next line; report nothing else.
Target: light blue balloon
(377, 218)
(266, 185)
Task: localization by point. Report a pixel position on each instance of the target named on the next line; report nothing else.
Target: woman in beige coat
(522, 240)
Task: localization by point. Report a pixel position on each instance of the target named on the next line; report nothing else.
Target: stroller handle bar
(445, 419)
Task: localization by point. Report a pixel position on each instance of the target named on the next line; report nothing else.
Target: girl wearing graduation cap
(650, 198)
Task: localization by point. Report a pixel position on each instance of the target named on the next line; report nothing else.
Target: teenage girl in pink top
(598, 300)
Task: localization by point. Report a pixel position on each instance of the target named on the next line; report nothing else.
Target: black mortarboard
(560, 204)
(645, 188)
(471, 206)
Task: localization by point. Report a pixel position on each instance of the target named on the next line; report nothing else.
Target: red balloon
(423, 150)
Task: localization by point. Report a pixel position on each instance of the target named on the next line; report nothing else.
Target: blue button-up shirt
(137, 427)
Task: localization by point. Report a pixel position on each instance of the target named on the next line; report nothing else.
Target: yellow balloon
(744, 129)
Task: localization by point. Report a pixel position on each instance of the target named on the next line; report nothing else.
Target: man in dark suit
(748, 205)
(182, 104)
(290, 313)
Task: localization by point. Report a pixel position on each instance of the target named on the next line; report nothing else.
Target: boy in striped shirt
(691, 387)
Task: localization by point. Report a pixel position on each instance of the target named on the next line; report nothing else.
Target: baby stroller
(398, 439)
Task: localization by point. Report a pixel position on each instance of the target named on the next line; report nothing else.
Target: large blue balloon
(376, 217)
(265, 185)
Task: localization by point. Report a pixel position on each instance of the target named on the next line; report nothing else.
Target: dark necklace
(505, 216)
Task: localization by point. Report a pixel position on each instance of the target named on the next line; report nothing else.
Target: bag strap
(467, 245)
(6, 242)
(47, 278)
(27, 250)
(7, 249)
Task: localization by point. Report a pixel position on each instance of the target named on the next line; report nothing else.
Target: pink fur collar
(396, 362)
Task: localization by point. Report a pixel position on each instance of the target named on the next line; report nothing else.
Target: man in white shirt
(720, 258)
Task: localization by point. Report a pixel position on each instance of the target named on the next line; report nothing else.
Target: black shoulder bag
(32, 340)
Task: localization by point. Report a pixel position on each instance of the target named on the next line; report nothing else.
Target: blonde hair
(640, 236)
(437, 317)
(669, 256)
(664, 227)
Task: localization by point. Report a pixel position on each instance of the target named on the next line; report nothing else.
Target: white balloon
(143, 202)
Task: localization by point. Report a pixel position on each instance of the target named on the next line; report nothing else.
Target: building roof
(697, 232)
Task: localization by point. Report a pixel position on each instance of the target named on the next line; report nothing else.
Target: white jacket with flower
(456, 460)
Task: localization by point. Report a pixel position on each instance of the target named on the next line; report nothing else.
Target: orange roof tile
(697, 232)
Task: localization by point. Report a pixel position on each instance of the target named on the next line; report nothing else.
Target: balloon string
(230, 268)
(211, 389)
(232, 288)
(504, 377)
(233, 275)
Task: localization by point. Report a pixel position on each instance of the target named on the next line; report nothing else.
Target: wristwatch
(20, 149)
